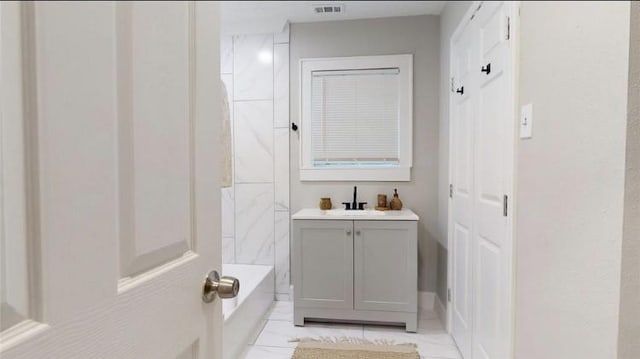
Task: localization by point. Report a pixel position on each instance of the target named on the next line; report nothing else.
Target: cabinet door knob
(348, 232)
(357, 232)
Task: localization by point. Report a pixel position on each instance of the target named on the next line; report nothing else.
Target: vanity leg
(298, 319)
(412, 324)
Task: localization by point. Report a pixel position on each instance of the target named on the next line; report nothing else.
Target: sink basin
(343, 212)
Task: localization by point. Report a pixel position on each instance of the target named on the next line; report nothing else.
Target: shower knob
(225, 287)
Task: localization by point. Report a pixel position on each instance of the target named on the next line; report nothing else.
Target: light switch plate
(526, 121)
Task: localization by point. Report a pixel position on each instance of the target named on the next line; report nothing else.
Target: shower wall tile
(282, 251)
(226, 54)
(253, 141)
(281, 85)
(228, 250)
(254, 224)
(253, 67)
(227, 80)
(228, 212)
(281, 170)
(282, 37)
(255, 211)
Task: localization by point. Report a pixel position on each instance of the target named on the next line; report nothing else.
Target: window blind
(355, 117)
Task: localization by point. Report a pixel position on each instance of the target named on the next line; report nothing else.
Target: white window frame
(402, 172)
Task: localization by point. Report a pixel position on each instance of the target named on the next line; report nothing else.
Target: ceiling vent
(328, 8)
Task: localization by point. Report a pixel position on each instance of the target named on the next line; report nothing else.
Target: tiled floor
(273, 342)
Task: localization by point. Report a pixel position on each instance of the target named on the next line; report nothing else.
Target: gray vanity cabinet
(323, 264)
(385, 266)
(355, 270)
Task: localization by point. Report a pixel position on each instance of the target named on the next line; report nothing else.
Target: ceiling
(242, 17)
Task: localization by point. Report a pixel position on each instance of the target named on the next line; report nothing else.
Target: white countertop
(368, 215)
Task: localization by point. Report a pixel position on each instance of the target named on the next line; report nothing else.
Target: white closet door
(482, 140)
(493, 140)
(464, 116)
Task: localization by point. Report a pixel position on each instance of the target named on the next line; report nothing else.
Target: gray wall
(570, 178)
(417, 35)
(629, 339)
(449, 19)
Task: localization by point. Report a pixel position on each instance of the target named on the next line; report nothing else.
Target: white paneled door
(110, 179)
(464, 102)
(494, 146)
(482, 147)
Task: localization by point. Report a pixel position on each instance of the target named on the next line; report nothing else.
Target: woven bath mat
(352, 348)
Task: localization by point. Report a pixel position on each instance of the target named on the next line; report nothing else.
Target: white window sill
(396, 174)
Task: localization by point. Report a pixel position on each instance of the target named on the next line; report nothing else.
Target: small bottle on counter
(396, 203)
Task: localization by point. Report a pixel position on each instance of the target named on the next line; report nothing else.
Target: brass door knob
(225, 287)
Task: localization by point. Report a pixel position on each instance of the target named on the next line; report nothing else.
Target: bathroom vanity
(355, 266)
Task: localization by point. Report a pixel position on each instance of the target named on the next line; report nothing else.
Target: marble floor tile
(282, 311)
(263, 352)
(432, 339)
(279, 333)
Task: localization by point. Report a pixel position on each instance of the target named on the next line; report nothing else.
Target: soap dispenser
(396, 203)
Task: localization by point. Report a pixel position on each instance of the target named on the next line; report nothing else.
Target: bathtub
(244, 316)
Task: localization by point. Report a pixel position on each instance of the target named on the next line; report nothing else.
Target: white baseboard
(441, 311)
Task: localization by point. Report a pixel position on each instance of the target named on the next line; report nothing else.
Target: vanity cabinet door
(385, 265)
(322, 264)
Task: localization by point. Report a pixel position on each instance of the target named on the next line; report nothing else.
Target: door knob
(225, 287)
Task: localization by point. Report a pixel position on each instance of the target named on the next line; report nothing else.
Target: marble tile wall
(255, 210)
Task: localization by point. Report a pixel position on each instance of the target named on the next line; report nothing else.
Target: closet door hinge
(449, 295)
(450, 191)
(505, 204)
(508, 28)
(452, 87)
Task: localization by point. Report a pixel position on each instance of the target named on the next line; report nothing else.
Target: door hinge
(508, 28)
(450, 191)
(505, 204)
(452, 87)
(449, 295)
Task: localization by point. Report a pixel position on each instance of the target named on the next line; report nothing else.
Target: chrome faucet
(355, 205)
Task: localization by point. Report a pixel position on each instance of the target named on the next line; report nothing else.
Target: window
(356, 118)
